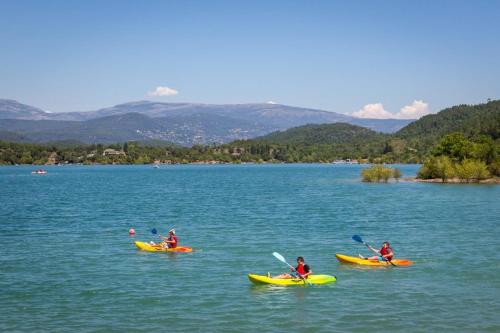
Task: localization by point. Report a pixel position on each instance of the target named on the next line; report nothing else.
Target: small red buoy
(131, 232)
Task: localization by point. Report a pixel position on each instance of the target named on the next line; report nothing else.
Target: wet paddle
(358, 239)
(155, 232)
(283, 260)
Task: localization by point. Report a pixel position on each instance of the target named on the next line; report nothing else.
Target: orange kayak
(159, 248)
(355, 260)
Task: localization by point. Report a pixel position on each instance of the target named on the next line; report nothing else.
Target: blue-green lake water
(67, 262)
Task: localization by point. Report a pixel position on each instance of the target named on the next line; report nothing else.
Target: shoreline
(491, 181)
(214, 162)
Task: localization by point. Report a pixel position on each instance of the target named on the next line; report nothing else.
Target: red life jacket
(174, 244)
(302, 269)
(384, 251)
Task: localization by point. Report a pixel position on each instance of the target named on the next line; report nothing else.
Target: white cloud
(271, 102)
(373, 111)
(163, 91)
(416, 110)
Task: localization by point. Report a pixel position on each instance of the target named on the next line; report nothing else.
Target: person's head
(300, 260)
(171, 231)
(386, 244)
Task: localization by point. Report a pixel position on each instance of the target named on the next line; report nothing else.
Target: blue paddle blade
(357, 238)
(154, 231)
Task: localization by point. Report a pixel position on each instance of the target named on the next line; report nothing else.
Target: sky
(381, 59)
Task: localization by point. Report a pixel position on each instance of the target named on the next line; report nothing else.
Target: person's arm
(388, 255)
(374, 250)
(308, 271)
(165, 239)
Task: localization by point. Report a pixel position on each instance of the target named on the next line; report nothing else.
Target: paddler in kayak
(384, 254)
(170, 241)
(301, 271)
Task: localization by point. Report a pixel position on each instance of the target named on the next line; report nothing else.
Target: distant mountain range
(185, 124)
(479, 124)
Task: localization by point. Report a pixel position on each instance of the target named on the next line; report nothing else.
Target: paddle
(282, 259)
(358, 239)
(155, 232)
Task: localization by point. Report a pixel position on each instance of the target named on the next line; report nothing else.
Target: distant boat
(346, 161)
(39, 172)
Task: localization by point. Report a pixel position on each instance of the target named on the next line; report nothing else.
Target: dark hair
(386, 242)
(300, 258)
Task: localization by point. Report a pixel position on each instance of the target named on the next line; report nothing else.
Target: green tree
(485, 149)
(26, 158)
(455, 146)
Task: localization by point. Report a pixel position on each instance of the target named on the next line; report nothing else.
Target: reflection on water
(269, 290)
(354, 267)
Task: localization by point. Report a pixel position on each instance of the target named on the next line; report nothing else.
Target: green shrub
(396, 173)
(437, 167)
(424, 172)
(494, 168)
(471, 170)
(377, 173)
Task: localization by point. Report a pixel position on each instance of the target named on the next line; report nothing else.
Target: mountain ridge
(480, 124)
(182, 123)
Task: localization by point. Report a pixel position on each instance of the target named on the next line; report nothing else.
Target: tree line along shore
(454, 159)
(458, 144)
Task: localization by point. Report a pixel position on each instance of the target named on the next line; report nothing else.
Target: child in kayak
(301, 271)
(170, 241)
(384, 254)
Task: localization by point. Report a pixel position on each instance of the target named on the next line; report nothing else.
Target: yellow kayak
(313, 279)
(355, 260)
(159, 248)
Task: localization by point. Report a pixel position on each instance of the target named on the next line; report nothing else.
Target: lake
(68, 264)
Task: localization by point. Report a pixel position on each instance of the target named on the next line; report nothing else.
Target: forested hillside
(479, 124)
(470, 120)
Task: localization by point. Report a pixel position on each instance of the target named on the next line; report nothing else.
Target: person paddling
(384, 254)
(170, 241)
(301, 271)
